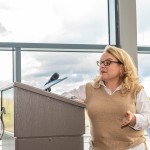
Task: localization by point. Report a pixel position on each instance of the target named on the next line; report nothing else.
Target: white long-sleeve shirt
(142, 107)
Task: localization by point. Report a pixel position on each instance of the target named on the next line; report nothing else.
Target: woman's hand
(128, 119)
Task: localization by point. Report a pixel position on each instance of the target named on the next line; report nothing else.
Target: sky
(67, 21)
(53, 21)
(78, 67)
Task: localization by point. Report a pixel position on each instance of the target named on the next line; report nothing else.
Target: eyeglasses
(107, 62)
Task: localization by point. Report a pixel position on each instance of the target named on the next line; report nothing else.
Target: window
(143, 69)
(37, 68)
(143, 23)
(54, 21)
(5, 67)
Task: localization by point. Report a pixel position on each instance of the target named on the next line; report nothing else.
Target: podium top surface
(42, 92)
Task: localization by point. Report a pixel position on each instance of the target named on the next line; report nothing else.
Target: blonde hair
(130, 80)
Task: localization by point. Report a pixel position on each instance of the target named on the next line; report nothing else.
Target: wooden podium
(39, 120)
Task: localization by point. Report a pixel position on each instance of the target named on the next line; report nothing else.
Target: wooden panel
(44, 121)
(40, 115)
(44, 93)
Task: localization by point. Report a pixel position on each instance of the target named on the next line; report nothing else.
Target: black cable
(2, 122)
(2, 126)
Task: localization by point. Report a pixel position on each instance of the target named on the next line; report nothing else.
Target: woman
(116, 104)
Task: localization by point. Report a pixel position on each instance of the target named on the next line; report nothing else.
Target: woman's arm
(79, 93)
(140, 120)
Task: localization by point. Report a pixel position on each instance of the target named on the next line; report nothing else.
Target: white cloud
(78, 67)
(54, 20)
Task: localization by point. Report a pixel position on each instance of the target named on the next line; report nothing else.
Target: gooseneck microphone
(52, 81)
(55, 76)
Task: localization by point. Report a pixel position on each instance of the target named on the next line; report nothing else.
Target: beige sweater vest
(106, 112)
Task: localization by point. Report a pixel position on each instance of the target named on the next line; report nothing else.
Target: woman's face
(110, 68)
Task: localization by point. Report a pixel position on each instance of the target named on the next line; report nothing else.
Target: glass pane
(6, 75)
(144, 73)
(38, 67)
(143, 23)
(54, 21)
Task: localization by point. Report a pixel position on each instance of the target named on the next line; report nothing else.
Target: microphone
(52, 81)
(55, 76)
